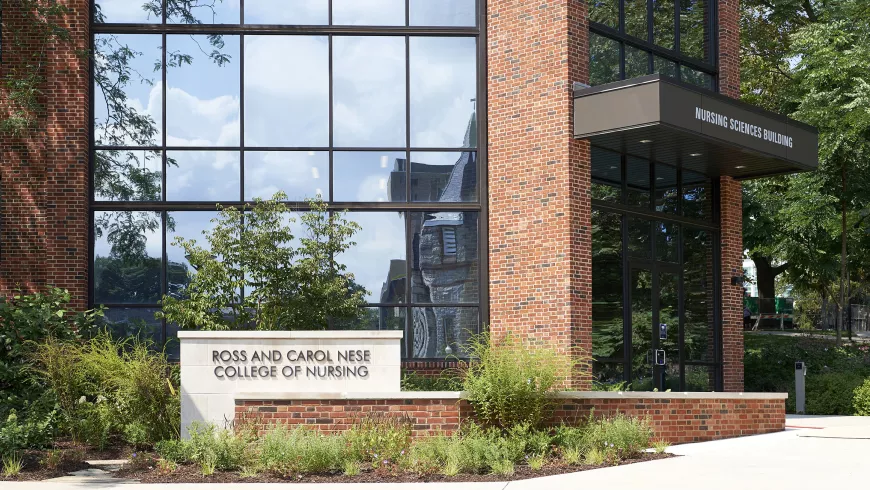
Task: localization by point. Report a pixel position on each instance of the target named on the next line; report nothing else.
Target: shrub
(428, 455)
(831, 393)
(292, 288)
(208, 446)
(861, 399)
(108, 388)
(33, 431)
(299, 451)
(175, 450)
(619, 437)
(415, 382)
(511, 384)
(379, 438)
(26, 319)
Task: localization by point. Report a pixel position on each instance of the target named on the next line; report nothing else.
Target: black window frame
(708, 67)
(164, 28)
(626, 211)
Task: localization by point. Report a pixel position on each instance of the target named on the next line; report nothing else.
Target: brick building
(574, 173)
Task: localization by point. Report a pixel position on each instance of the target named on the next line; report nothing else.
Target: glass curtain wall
(654, 275)
(631, 38)
(370, 105)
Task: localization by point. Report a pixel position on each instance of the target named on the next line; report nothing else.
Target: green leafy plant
(572, 455)
(595, 457)
(861, 399)
(302, 451)
(619, 437)
(210, 446)
(290, 287)
(111, 388)
(13, 463)
(510, 383)
(379, 438)
(536, 461)
(660, 446)
(502, 467)
(52, 459)
(35, 430)
(831, 393)
(351, 468)
(164, 467)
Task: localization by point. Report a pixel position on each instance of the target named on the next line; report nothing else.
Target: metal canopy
(659, 118)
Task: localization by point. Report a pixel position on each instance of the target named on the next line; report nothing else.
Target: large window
(370, 105)
(654, 275)
(631, 38)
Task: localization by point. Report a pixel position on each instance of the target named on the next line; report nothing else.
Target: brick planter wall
(677, 418)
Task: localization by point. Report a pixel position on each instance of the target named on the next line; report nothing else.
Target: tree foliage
(288, 286)
(809, 59)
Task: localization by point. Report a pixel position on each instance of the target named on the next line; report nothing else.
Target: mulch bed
(73, 458)
(192, 474)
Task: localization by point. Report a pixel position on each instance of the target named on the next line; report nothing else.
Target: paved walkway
(799, 458)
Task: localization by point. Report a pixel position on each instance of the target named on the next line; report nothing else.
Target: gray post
(800, 374)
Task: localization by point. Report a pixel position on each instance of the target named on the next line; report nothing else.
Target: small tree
(287, 287)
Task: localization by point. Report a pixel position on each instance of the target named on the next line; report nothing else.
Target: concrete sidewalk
(781, 460)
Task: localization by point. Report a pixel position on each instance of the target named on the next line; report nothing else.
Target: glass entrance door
(654, 294)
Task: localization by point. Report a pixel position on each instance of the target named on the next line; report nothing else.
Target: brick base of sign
(679, 418)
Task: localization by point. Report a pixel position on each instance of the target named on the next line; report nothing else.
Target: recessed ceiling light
(694, 154)
(613, 167)
(646, 141)
(660, 178)
(740, 166)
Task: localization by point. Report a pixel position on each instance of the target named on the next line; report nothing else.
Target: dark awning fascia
(656, 117)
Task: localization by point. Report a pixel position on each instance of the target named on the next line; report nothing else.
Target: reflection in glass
(281, 108)
(636, 18)
(376, 318)
(368, 12)
(444, 176)
(292, 12)
(172, 347)
(663, 23)
(607, 320)
(636, 62)
(667, 197)
(127, 12)
(669, 317)
(127, 257)
(665, 67)
(696, 77)
(125, 323)
(604, 12)
(443, 77)
(700, 378)
(697, 196)
(299, 174)
(606, 175)
(369, 176)
(369, 91)
(606, 376)
(377, 261)
(128, 175)
(202, 100)
(637, 175)
(667, 241)
(694, 37)
(188, 225)
(127, 90)
(202, 176)
(442, 331)
(640, 286)
(445, 265)
(442, 13)
(603, 59)
(208, 12)
(698, 287)
(639, 243)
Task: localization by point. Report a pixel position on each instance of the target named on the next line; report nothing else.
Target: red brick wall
(730, 201)
(44, 174)
(539, 175)
(673, 419)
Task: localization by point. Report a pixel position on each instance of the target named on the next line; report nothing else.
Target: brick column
(539, 176)
(44, 190)
(731, 209)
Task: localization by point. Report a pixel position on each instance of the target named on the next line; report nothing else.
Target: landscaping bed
(190, 473)
(64, 458)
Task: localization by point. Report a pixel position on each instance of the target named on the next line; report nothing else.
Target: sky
(286, 80)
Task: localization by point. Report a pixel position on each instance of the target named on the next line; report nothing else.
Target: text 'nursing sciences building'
(566, 171)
